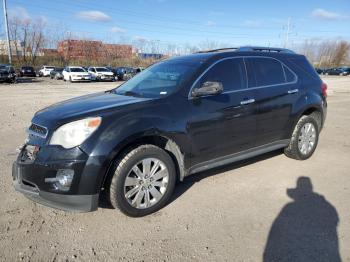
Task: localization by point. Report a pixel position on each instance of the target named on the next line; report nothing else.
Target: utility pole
(286, 42)
(7, 32)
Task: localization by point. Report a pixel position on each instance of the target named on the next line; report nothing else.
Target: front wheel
(304, 138)
(143, 181)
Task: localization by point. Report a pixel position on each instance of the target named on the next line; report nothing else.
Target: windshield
(77, 69)
(27, 68)
(58, 69)
(49, 67)
(159, 80)
(101, 69)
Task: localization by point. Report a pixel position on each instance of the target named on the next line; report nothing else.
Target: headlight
(75, 133)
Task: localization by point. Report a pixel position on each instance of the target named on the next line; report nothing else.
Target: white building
(14, 44)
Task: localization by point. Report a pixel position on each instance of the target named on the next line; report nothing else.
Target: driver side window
(229, 72)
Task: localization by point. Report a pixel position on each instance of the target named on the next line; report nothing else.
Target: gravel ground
(236, 213)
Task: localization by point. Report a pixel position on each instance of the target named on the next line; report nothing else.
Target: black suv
(124, 73)
(27, 71)
(176, 118)
(7, 74)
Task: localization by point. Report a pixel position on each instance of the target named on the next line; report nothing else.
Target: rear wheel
(304, 138)
(143, 181)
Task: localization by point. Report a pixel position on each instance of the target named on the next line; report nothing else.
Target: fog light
(63, 179)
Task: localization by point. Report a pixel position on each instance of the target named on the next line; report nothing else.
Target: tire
(293, 150)
(117, 190)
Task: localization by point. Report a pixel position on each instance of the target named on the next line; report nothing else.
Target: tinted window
(303, 64)
(229, 72)
(290, 77)
(77, 69)
(265, 71)
(102, 69)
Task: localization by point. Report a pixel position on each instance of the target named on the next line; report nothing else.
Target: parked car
(101, 74)
(320, 71)
(124, 73)
(75, 74)
(45, 70)
(333, 71)
(27, 71)
(345, 71)
(178, 117)
(57, 73)
(139, 69)
(7, 74)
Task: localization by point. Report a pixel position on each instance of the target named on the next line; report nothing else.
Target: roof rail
(219, 49)
(265, 49)
(250, 49)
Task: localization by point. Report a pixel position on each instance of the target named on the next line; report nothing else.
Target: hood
(79, 73)
(81, 107)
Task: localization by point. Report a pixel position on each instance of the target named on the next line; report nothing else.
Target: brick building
(94, 50)
(48, 52)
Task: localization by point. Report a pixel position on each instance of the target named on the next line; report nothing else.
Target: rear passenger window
(229, 72)
(265, 71)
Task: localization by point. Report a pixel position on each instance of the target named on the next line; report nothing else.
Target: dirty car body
(198, 131)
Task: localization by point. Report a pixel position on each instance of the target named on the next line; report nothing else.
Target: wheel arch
(162, 141)
(310, 109)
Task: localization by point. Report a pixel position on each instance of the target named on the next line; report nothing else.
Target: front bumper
(77, 203)
(106, 77)
(29, 179)
(78, 78)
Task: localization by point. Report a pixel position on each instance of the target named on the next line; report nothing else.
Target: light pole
(7, 32)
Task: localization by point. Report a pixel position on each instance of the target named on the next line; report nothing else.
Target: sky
(181, 22)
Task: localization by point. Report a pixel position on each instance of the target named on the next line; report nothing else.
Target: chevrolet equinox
(178, 117)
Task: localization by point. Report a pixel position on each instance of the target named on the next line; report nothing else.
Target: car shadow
(189, 181)
(305, 229)
(29, 80)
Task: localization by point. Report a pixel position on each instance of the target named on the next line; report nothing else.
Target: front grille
(38, 130)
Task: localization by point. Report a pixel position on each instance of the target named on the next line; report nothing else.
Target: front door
(225, 123)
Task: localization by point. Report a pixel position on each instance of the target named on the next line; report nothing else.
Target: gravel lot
(225, 214)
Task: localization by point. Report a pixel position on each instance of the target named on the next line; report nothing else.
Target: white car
(101, 74)
(45, 70)
(75, 73)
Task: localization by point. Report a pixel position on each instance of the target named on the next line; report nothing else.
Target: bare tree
(27, 37)
(327, 53)
(340, 54)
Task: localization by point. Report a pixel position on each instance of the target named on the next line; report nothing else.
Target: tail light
(324, 89)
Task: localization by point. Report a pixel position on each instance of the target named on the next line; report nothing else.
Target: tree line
(30, 36)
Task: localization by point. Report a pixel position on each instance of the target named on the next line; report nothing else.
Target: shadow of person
(305, 229)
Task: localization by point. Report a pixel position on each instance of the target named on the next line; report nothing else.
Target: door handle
(293, 91)
(248, 101)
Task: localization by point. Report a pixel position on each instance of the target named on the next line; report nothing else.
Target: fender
(116, 137)
(308, 101)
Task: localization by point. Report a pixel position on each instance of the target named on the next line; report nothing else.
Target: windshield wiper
(130, 93)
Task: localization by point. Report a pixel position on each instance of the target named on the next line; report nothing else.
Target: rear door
(276, 90)
(225, 123)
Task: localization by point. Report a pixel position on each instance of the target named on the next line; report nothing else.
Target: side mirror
(208, 88)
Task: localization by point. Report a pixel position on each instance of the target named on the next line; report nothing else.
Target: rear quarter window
(304, 65)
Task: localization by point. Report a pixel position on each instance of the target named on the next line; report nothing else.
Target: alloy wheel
(146, 183)
(307, 138)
